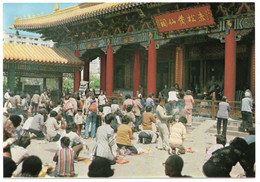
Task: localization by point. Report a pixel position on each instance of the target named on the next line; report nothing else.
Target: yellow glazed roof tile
(37, 54)
(70, 14)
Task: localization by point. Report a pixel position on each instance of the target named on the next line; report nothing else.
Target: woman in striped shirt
(64, 159)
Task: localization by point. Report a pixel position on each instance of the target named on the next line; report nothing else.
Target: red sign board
(193, 17)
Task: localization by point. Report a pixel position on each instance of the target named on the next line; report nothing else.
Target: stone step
(229, 132)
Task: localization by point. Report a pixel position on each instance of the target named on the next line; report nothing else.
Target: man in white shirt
(163, 141)
(102, 99)
(52, 126)
(7, 96)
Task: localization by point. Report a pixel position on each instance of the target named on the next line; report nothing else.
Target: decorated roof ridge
(33, 53)
(81, 11)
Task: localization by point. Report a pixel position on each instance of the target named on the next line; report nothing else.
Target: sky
(12, 10)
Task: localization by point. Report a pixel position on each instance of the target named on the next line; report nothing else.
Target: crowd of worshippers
(112, 126)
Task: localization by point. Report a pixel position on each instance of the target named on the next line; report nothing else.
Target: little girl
(79, 120)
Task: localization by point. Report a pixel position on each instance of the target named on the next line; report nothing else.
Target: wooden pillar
(109, 71)
(152, 71)
(103, 72)
(76, 75)
(180, 67)
(60, 82)
(230, 65)
(136, 72)
(86, 72)
(44, 84)
(252, 69)
(201, 76)
(11, 77)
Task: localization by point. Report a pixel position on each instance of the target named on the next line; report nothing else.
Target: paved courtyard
(146, 165)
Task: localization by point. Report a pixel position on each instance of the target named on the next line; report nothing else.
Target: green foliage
(94, 81)
(68, 84)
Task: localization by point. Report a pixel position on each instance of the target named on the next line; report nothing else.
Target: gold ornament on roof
(56, 8)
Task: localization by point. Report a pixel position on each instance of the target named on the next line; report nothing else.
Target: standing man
(43, 100)
(165, 92)
(163, 143)
(91, 115)
(35, 102)
(137, 111)
(102, 99)
(150, 102)
(246, 111)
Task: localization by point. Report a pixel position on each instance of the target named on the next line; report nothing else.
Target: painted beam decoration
(194, 17)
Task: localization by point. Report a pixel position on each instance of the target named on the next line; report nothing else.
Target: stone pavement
(147, 165)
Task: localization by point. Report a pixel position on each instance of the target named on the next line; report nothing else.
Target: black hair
(239, 144)
(16, 120)
(24, 141)
(125, 119)
(151, 94)
(100, 167)
(224, 98)
(65, 141)
(129, 108)
(163, 99)
(42, 111)
(79, 110)
(71, 127)
(114, 101)
(107, 104)
(32, 165)
(53, 114)
(127, 96)
(176, 162)
(109, 118)
(148, 108)
(183, 120)
(11, 93)
(251, 131)
(9, 167)
(23, 96)
(220, 139)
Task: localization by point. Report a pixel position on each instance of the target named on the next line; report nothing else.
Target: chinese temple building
(150, 45)
(33, 61)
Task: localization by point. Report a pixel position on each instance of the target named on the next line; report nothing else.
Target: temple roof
(32, 53)
(72, 14)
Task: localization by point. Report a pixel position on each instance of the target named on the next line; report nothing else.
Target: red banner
(194, 17)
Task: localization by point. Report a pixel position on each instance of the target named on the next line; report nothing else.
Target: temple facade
(144, 46)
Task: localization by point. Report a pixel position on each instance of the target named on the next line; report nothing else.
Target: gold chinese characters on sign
(193, 17)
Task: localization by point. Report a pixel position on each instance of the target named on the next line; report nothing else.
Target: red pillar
(109, 71)
(86, 72)
(103, 72)
(152, 72)
(76, 75)
(180, 66)
(136, 72)
(230, 65)
(252, 69)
